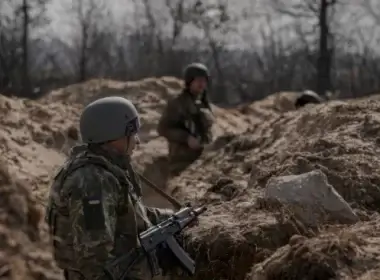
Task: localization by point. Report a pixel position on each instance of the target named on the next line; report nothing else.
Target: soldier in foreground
(187, 120)
(94, 210)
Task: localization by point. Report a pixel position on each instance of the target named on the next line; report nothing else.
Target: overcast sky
(352, 17)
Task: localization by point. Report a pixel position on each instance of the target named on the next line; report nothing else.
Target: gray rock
(311, 198)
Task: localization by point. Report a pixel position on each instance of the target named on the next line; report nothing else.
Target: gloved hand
(158, 215)
(164, 214)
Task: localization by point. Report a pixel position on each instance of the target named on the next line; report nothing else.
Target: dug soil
(240, 236)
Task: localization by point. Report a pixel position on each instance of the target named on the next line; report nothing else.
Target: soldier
(187, 120)
(95, 211)
(307, 97)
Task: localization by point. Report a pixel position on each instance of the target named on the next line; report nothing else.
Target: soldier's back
(83, 186)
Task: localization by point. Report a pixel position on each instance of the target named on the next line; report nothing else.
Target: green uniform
(94, 213)
(183, 116)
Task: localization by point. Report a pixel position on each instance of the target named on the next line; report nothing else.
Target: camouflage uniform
(183, 116)
(95, 213)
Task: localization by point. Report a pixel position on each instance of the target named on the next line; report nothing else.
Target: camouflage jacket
(182, 117)
(94, 213)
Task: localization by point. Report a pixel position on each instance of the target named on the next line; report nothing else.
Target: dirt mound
(25, 252)
(36, 135)
(339, 253)
(150, 97)
(240, 234)
(34, 138)
(274, 104)
(339, 138)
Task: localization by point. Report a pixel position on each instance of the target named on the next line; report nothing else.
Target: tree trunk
(325, 55)
(26, 86)
(83, 55)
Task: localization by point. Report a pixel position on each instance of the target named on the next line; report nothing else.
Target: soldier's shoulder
(89, 170)
(93, 177)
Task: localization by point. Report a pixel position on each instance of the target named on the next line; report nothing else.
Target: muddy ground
(239, 237)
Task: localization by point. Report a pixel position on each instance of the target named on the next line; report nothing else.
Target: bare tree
(311, 50)
(9, 57)
(372, 8)
(320, 11)
(19, 19)
(89, 21)
(214, 20)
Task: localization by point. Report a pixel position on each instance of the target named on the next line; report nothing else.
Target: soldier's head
(111, 121)
(307, 97)
(196, 76)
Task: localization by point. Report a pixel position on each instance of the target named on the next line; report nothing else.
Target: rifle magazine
(186, 262)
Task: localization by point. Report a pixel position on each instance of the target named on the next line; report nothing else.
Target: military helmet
(108, 119)
(307, 97)
(194, 70)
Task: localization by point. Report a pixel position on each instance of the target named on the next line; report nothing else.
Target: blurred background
(253, 47)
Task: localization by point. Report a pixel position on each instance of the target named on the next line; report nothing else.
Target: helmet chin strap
(127, 145)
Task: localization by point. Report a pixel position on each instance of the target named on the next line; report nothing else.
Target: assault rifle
(195, 128)
(162, 234)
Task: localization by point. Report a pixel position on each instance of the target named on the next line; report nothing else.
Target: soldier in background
(308, 97)
(187, 120)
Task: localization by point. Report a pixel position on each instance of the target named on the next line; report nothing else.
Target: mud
(25, 245)
(240, 229)
(241, 236)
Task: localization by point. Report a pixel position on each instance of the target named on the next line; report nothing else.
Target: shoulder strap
(98, 161)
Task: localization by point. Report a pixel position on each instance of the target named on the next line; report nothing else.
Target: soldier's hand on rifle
(193, 143)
